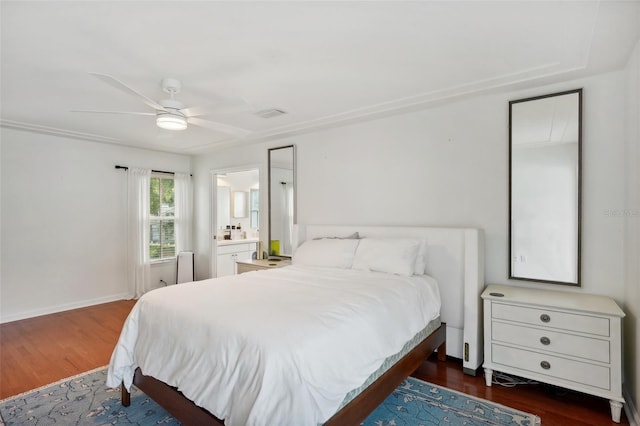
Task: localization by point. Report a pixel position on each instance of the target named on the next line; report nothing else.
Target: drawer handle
(545, 341)
(545, 365)
(545, 318)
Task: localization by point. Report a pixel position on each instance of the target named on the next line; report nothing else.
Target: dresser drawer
(550, 318)
(551, 341)
(234, 248)
(561, 368)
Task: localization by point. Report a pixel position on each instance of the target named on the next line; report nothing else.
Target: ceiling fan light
(171, 122)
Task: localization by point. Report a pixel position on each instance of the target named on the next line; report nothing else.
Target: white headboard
(455, 258)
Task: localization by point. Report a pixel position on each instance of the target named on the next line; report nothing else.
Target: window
(255, 208)
(162, 237)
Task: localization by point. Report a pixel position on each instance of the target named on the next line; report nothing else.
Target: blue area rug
(418, 403)
(85, 400)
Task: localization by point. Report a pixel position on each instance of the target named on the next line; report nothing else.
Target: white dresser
(567, 339)
(231, 251)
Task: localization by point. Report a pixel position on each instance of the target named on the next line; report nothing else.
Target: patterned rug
(85, 400)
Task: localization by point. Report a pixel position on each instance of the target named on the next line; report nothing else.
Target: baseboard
(61, 308)
(630, 409)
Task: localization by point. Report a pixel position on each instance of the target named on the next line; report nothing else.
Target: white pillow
(329, 253)
(391, 255)
(421, 262)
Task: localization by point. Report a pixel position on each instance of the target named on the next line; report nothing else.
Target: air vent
(270, 113)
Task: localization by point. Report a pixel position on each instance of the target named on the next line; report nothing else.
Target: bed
(321, 342)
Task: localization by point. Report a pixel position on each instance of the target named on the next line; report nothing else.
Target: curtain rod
(154, 171)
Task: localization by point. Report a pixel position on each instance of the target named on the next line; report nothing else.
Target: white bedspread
(277, 347)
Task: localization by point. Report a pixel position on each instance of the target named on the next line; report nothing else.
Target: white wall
(64, 222)
(632, 231)
(447, 166)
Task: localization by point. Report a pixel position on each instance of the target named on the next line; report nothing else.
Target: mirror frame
(295, 197)
(579, 190)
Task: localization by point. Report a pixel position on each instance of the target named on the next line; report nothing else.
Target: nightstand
(571, 340)
(256, 265)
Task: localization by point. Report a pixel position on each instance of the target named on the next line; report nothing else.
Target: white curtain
(138, 264)
(183, 212)
(287, 218)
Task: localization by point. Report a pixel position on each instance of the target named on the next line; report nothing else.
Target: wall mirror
(282, 200)
(545, 141)
(240, 204)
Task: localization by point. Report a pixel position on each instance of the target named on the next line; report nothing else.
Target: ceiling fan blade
(220, 127)
(114, 82)
(113, 112)
(216, 109)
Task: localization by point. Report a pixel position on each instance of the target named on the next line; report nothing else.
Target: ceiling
(323, 63)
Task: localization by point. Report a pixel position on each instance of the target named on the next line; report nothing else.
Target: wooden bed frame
(454, 258)
(189, 414)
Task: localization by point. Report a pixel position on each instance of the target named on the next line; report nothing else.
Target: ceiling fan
(170, 114)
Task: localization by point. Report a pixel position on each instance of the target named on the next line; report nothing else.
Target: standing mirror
(282, 200)
(545, 141)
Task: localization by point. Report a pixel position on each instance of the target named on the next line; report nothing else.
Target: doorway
(235, 217)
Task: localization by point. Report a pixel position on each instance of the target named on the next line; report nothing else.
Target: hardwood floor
(41, 350)
(38, 351)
